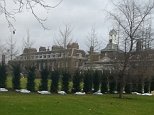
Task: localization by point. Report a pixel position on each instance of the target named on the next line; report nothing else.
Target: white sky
(80, 14)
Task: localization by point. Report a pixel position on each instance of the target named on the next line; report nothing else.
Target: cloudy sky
(80, 14)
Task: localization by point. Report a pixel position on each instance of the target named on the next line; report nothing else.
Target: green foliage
(135, 87)
(31, 79)
(44, 79)
(146, 86)
(139, 87)
(55, 80)
(88, 80)
(112, 83)
(96, 80)
(3, 76)
(104, 84)
(152, 84)
(16, 77)
(65, 81)
(128, 88)
(77, 78)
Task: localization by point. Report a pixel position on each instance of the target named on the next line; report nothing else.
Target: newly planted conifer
(16, 77)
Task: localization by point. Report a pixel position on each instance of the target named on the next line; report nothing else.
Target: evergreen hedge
(3, 76)
(65, 81)
(96, 80)
(88, 81)
(104, 83)
(77, 78)
(31, 79)
(16, 76)
(54, 81)
(44, 80)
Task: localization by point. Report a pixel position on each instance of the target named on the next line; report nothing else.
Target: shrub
(128, 87)
(88, 80)
(152, 84)
(65, 81)
(44, 80)
(16, 77)
(112, 84)
(31, 79)
(104, 83)
(77, 78)
(96, 80)
(55, 80)
(3, 76)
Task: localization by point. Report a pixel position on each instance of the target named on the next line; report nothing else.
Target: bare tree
(144, 67)
(19, 6)
(130, 15)
(27, 43)
(92, 40)
(2, 51)
(93, 44)
(28, 50)
(12, 51)
(65, 36)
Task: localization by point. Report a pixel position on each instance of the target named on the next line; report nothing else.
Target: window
(36, 57)
(32, 57)
(40, 56)
(48, 56)
(44, 56)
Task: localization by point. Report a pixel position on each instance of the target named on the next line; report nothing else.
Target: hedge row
(92, 81)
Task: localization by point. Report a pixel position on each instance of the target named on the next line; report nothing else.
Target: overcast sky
(80, 14)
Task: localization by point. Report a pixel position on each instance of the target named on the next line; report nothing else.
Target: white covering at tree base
(62, 92)
(23, 90)
(80, 93)
(97, 93)
(3, 90)
(44, 92)
(145, 94)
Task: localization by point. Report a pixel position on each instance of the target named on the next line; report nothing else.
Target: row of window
(44, 56)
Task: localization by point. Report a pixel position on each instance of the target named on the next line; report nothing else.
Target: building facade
(56, 58)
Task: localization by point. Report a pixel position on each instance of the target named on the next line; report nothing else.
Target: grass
(12, 103)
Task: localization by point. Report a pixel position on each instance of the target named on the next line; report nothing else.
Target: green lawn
(12, 103)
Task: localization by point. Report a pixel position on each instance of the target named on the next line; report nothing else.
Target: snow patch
(62, 92)
(97, 93)
(3, 90)
(23, 91)
(80, 93)
(44, 92)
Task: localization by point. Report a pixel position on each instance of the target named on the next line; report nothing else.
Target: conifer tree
(88, 80)
(104, 84)
(77, 78)
(3, 76)
(54, 81)
(96, 80)
(65, 81)
(112, 83)
(31, 79)
(16, 77)
(152, 84)
(44, 79)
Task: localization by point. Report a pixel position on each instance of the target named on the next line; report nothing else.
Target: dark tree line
(3, 76)
(89, 81)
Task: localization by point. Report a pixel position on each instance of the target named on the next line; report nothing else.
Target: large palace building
(72, 58)
(56, 58)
